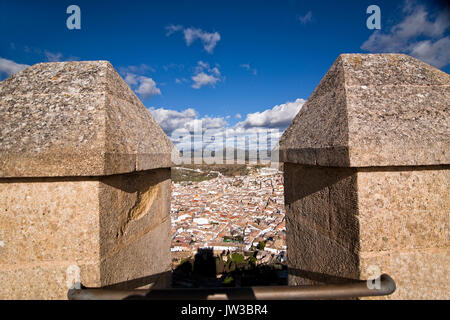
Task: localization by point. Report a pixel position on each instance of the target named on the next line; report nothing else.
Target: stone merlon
(76, 119)
(84, 183)
(373, 110)
(366, 177)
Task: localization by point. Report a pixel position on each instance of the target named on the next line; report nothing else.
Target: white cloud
(147, 87)
(53, 57)
(208, 133)
(306, 18)
(208, 39)
(10, 67)
(171, 29)
(144, 86)
(56, 57)
(435, 53)
(203, 79)
(205, 75)
(215, 132)
(170, 120)
(202, 66)
(238, 116)
(142, 68)
(45, 55)
(407, 36)
(131, 79)
(279, 116)
(247, 67)
(181, 80)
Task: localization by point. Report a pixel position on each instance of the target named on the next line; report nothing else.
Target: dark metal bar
(335, 291)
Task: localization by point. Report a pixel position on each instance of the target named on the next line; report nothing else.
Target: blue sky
(227, 62)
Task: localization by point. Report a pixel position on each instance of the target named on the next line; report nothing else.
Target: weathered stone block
(419, 274)
(48, 219)
(404, 209)
(84, 183)
(76, 119)
(44, 280)
(324, 199)
(366, 176)
(373, 110)
(315, 257)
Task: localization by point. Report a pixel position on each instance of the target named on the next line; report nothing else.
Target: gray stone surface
(373, 110)
(84, 183)
(366, 175)
(76, 119)
(322, 229)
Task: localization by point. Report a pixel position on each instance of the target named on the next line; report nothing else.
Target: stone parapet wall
(367, 177)
(84, 183)
(346, 224)
(322, 232)
(406, 217)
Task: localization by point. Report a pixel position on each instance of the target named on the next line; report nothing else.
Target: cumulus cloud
(142, 85)
(188, 131)
(203, 79)
(10, 67)
(279, 116)
(171, 120)
(306, 18)
(435, 53)
(208, 39)
(260, 130)
(147, 87)
(418, 34)
(205, 75)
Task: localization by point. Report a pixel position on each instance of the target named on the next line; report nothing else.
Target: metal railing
(329, 291)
